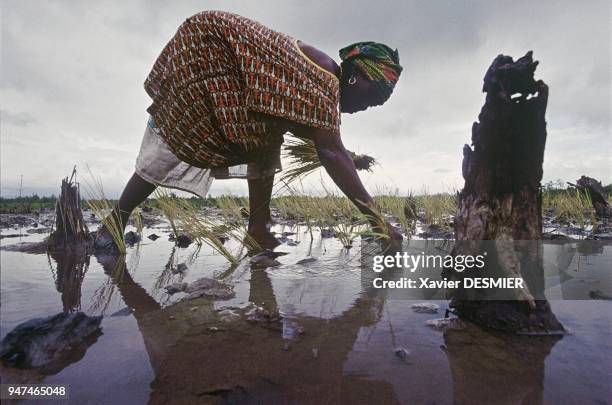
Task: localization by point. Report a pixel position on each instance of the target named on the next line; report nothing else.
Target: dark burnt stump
(595, 191)
(70, 231)
(501, 200)
(70, 244)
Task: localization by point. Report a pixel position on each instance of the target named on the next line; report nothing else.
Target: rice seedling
(166, 204)
(233, 208)
(330, 212)
(379, 228)
(167, 276)
(231, 204)
(572, 206)
(234, 223)
(285, 206)
(341, 216)
(437, 209)
(137, 214)
(186, 218)
(306, 208)
(402, 209)
(103, 209)
(303, 159)
(205, 228)
(339, 221)
(298, 207)
(103, 295)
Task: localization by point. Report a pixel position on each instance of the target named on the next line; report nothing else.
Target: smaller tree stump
(70, 231)
(594, 189)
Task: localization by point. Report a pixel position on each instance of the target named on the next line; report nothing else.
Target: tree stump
(595, 191)
(70, 231)
(501, 200)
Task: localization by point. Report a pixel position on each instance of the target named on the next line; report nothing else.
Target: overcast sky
(72, 75)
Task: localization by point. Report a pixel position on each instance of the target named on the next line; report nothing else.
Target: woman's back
(218, 73)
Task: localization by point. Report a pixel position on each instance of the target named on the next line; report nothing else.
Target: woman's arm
(339, 165)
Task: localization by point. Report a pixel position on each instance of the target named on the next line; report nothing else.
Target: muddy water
(334, 344)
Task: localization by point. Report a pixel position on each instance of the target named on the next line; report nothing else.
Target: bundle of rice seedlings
(303, 159)
(379, 228)
(362, 162)
(204, 229)
(103, 209)
(166, 204)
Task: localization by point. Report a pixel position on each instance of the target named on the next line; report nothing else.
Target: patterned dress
(219, 80)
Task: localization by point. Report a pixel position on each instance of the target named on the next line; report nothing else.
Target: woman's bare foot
(265, 239)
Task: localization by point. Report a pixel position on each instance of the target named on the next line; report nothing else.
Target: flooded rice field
(301, 331)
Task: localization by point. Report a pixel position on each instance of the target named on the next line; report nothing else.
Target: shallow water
(335, 344)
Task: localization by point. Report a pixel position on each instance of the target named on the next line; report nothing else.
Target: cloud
(20, 119)
(72, 74)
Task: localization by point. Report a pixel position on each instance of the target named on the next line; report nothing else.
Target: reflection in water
(578, 270)
(44, 346)
(198, 354)
(260, 291)
(495, 367)
(50, 344)
(237, 361)
(71, 267)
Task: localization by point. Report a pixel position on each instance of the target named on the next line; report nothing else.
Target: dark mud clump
(50, 344)
(12, 235)
(16, 221)
(131, 238)
(181, 241)
(27, 247)
(203, 287)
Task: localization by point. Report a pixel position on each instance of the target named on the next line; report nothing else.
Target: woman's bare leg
(260, 193)
(135, 192)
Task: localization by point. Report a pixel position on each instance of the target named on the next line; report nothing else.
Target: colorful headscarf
(378, 62)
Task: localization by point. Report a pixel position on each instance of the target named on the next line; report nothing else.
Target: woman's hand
(339, 165)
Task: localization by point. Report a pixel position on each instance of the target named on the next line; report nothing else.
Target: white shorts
(158, 165)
